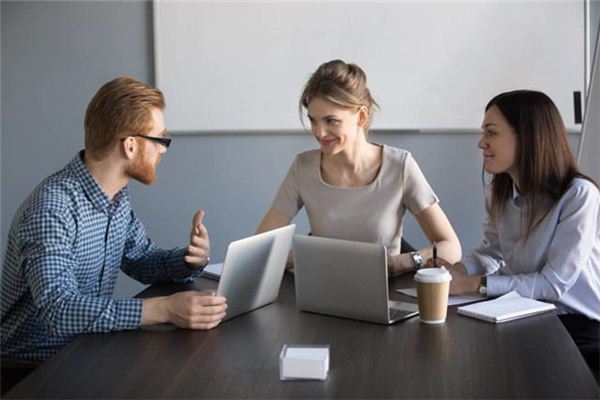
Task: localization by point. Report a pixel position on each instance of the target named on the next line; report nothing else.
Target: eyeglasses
(160, 140)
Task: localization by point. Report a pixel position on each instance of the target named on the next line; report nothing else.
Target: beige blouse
(373, 213)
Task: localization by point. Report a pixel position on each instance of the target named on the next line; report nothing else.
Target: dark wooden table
(463, 358)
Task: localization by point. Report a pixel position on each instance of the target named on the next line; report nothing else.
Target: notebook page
(504, 308)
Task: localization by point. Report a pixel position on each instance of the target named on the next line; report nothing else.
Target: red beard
(142, 169)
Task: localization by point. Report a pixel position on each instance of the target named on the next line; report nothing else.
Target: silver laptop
(253, 269)
(345, 279)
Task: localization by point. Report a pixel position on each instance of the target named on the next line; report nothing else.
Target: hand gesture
(198, 250)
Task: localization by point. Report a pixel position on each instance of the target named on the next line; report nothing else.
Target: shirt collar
(93, 191)
(516, 196)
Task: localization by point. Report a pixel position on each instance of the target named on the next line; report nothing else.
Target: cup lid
(433, 275)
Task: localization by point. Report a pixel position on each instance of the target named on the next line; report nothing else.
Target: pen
(434, 254)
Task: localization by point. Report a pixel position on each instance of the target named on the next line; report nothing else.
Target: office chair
(406, 247)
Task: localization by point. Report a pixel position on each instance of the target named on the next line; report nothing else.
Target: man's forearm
(154, 311)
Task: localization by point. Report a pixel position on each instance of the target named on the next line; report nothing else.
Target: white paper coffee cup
(433, 286)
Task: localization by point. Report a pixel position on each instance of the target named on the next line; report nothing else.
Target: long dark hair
(546, 165)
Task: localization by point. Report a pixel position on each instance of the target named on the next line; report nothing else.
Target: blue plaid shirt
(66, 244)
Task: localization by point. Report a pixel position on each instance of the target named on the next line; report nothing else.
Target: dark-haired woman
(353, 189)
(542, 232)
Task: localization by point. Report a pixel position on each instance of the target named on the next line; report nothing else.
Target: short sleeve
(287, 200)
(418, 194)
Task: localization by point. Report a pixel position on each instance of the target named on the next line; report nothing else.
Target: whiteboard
(430, 65)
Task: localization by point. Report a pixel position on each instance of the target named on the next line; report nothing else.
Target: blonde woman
(354, 189)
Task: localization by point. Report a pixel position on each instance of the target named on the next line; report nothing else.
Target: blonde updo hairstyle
(341, 83)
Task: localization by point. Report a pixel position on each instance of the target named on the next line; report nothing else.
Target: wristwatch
(417, 259)
(483, 286)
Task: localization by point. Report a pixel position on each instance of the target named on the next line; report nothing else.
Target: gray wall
(55, 55)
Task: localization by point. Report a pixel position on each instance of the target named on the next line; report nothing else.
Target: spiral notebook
(509, 307)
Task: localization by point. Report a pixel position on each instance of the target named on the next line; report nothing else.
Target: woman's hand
(461, 283)
(439, 262)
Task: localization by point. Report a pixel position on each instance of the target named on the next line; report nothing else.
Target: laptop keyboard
(396, 314)
(400, 309)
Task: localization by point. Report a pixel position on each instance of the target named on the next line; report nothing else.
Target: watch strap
(417, 259)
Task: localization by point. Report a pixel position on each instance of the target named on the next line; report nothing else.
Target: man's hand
(198, 250)
(189, 309)
(196, 310)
